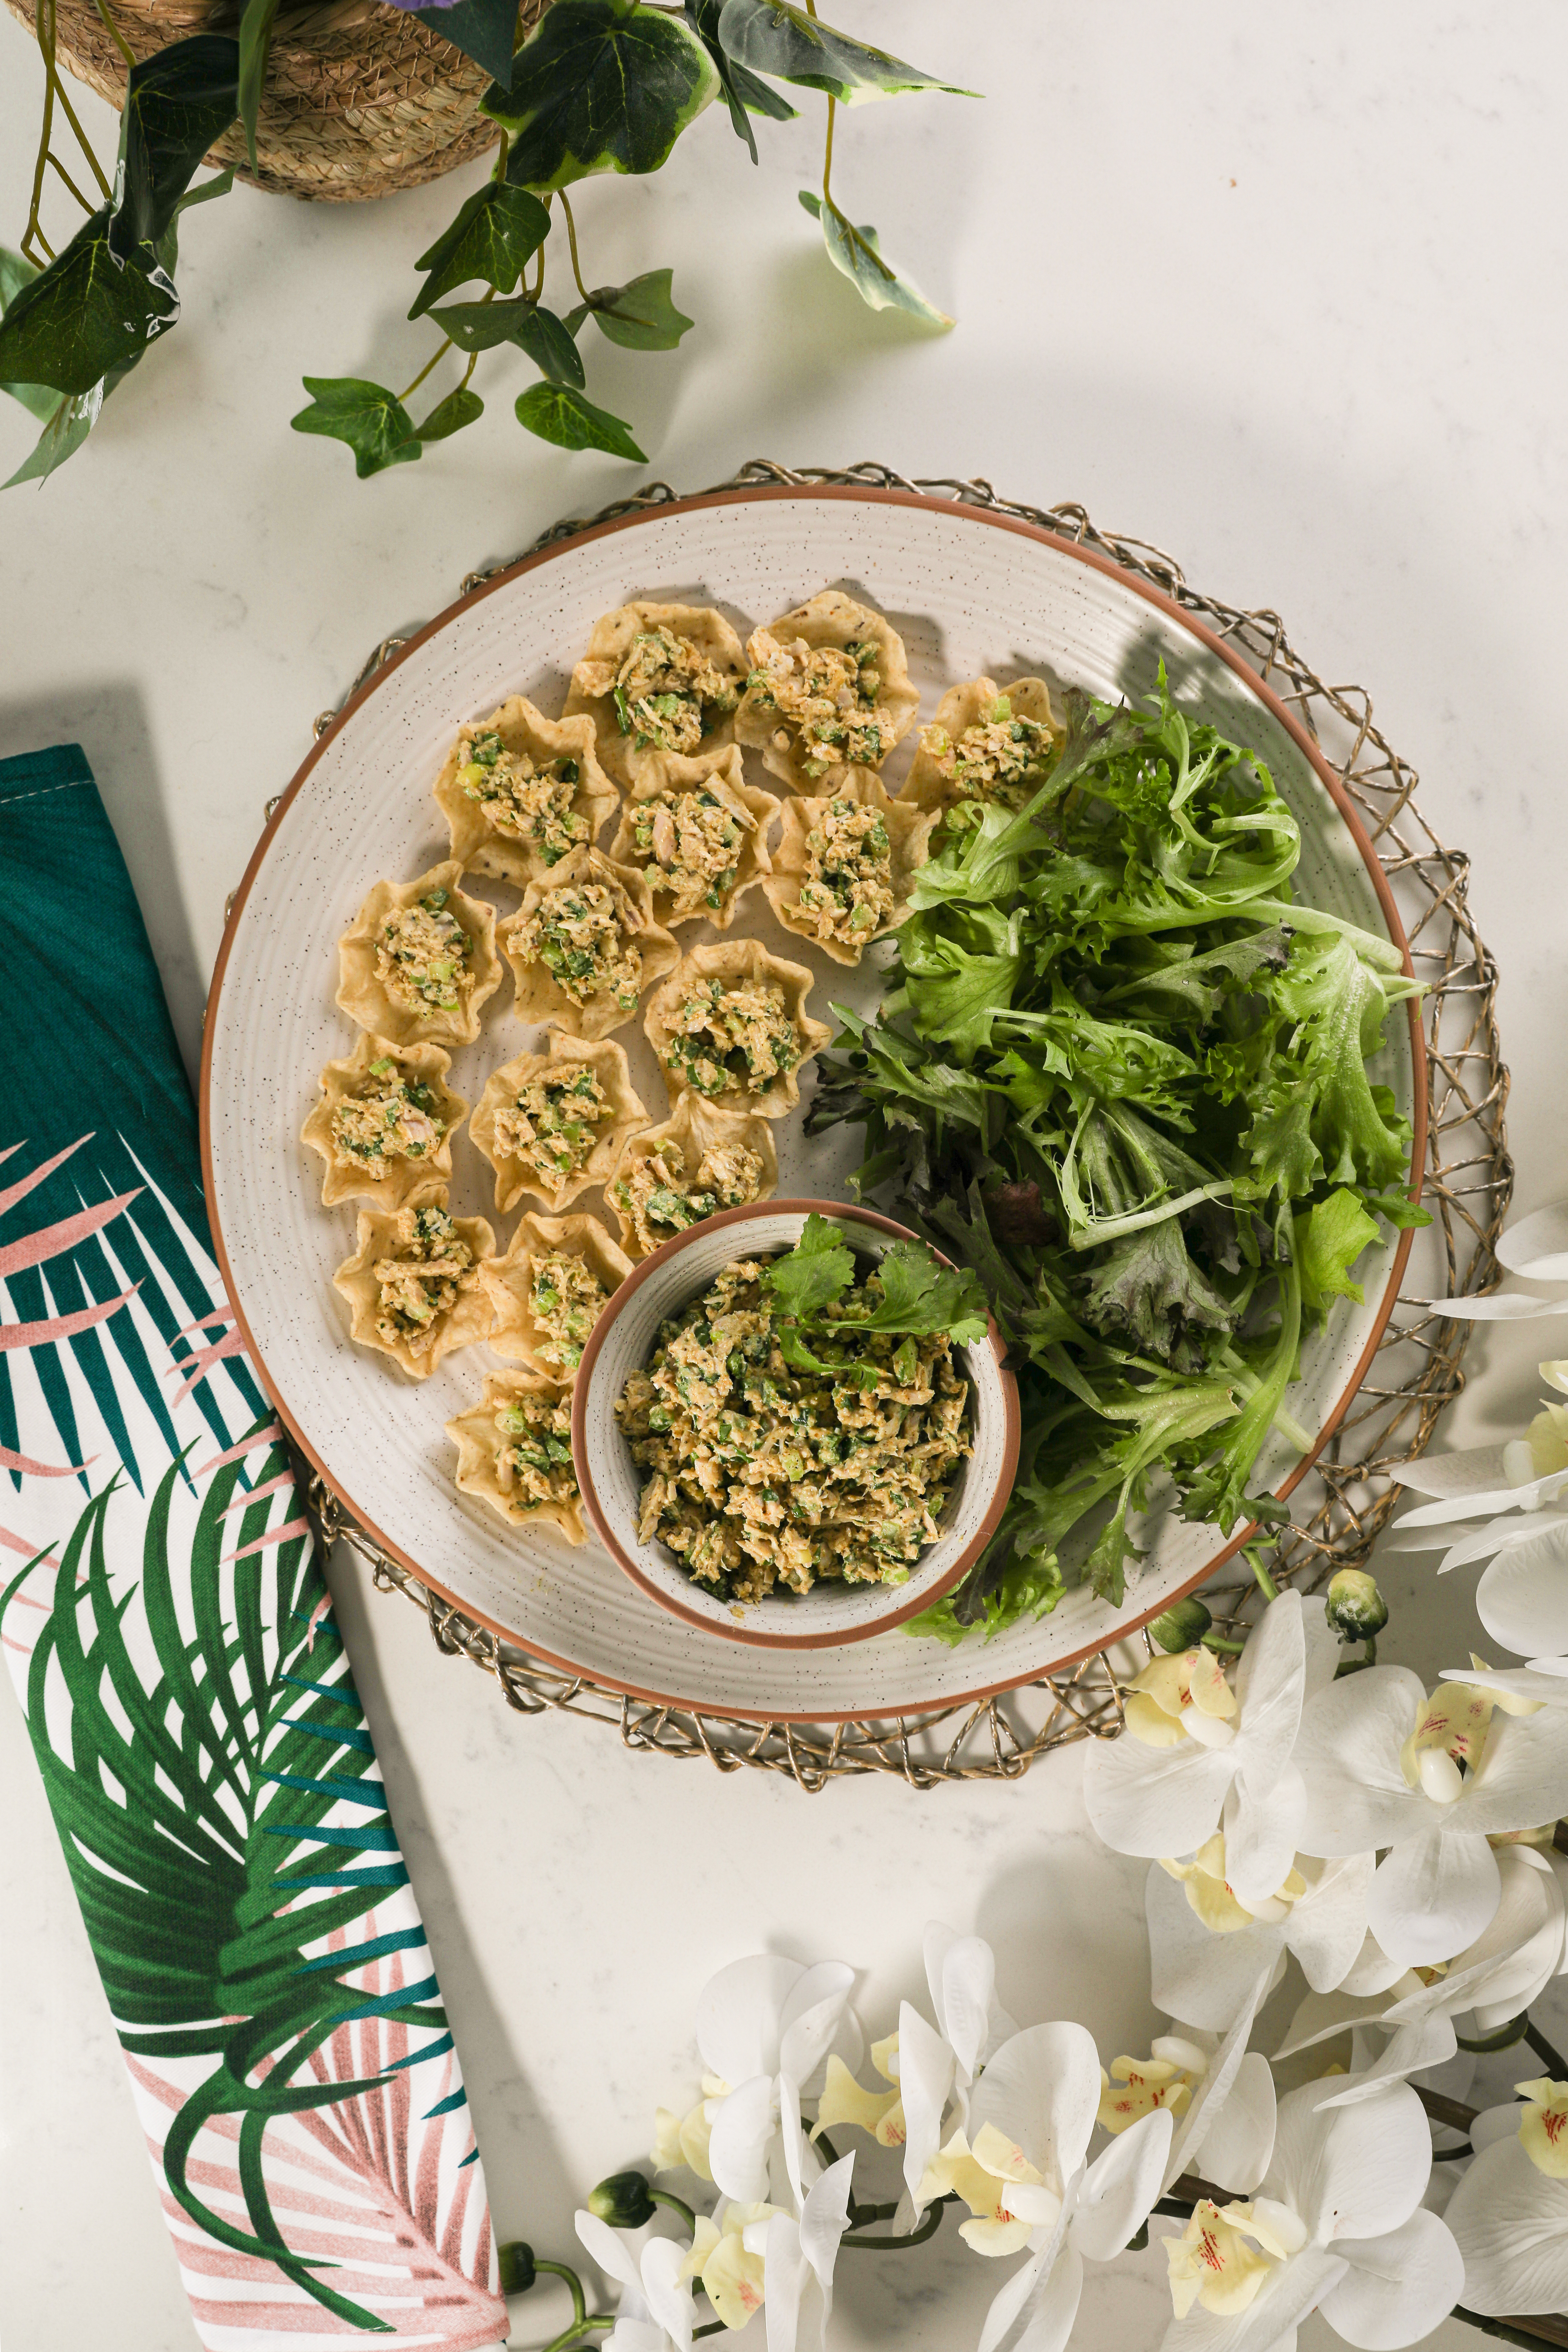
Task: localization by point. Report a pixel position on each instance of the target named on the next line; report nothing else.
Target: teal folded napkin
(189, 1701)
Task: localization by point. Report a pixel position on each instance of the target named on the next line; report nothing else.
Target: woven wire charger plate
(1341, 1504)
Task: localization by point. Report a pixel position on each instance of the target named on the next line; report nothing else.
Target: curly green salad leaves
(1121, 1075)
(919, 1296)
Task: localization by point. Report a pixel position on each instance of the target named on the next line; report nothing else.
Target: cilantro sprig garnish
(920, 1299)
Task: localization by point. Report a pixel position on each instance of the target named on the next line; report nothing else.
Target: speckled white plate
(971, 592)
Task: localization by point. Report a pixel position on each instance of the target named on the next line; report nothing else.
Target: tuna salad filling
(690, 845)
(553, 1125)
(728, 1037)
(669, 693)
(658, 1201)
(564, 1298)
(848, 893)
(422, 958)
(579, 931)
(534, 1463)
(421, 1283)
(999, 758)
(525, 800)
(759, 1474)
(391, 1120)
(825, 697)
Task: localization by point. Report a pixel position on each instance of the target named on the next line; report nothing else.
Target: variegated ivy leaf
(483, 30)
(745, 95)
(639, 315)
(600, 86)
(371, 420)
(558, 414)
(498, 230)
(857, 252)
(770, 37)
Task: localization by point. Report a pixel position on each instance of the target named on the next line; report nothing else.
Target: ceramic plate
(970, 593)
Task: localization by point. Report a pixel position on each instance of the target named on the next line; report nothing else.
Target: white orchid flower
(656, 2308)
(1201, 1755)
(798, 2259)
(1337, 2226)
(764, 2028)
(1220, 2097)
(1025, 2181)
(728, 2258)
(938, 2066)
(1509, 2213)
(1383, 1767)
(1517, 1954)
(845, 2101)
(1213, 1963)
(1536, 1249)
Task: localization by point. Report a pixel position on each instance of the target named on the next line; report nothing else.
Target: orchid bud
(1355, 1608)
(1181, 1627)
(515, 2264)
(624, 2201)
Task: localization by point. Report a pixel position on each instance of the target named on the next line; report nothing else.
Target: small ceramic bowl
(622, 1342)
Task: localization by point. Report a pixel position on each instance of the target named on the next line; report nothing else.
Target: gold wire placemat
(1341, 1504)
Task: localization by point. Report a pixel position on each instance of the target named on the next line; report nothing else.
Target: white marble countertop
(1281, 292)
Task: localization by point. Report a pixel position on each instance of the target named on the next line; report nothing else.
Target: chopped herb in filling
(564, 1298)
(732, 1035)
(553, 1126)
(534, 1463)
(825, 697)
(422, 1282)
(393, 1118)
(848, 892)
(423, 958)
(690, 845)
(763, 1474)
(999, 758)
(658, 1202)
(526, 802)
(669, 693)
(579, 931)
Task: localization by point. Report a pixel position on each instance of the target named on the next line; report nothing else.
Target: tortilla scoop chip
(961, 708)
(733, 962)
(478, 841)
(909, 835)
(516, 1333)
(593, 680)
(696, 1130)
(363, 996)
(722, 776)
(383, 1236)
(567, 1054)
(480, 1446)
(829, 619)
(348, 1179)
(539, 994)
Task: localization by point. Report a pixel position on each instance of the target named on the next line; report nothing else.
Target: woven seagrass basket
(360, 98)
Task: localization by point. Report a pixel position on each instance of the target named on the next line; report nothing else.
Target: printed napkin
(192, 1710)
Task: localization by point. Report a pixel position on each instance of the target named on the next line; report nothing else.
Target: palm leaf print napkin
(171, 1638)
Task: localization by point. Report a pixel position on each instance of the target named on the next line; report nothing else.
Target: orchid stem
(660, 2197)
(1266, 1584)
(579, 2306)
(927, 2229)
(1549, 2331)
(1542, 2049)
(1219, 1642)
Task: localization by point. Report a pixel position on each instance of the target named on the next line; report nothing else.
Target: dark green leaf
(177, 103)
(818, 1270)
(558, 414)
(858, 253)
(16, 271)
(639, 315)
(498, 230)
(745, 95)
(922, 1297)
(600, 86)
(65, 427)
(483, 30)
(255, 41)
(480, 326)
(371, 420)
(449, 416)
(771, 37)
(88, 312)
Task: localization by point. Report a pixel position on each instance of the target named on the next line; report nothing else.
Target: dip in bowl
(687, 1455)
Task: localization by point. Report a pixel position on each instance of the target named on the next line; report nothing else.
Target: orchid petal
(1497, 1536)
(926, 2066)
(1360, 2168)
(1041, 2092)
(1054, 2306)
(1536, 1247)
(1349, 1754)
(610, 2250)
(1155, 1801)
(1398, 2286)
(1371, 1970)
(668, 2297)
(968, 1997)
(1511, 1307)
(823, 2219)
(1467, 1471)
(1495, 2123)
(737, 2151)
(1012, 2298)
(1121, 2184)
(1206, 1980)
(783, 2276)
(1514, 1682)
(1268, 2323)
(1523, 1597)
(1261, 1826)
(1425, 2042)
(1468, 1506)
(1510, 2223)
(1268, 1679)
(1433, 1896)
(1237, 2148)
(1522, 1777)
(1321, 1646)
(1399, 1539)
(1190, 2137)
(1327, 1925)
(738, 2012)
(810, 2018)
